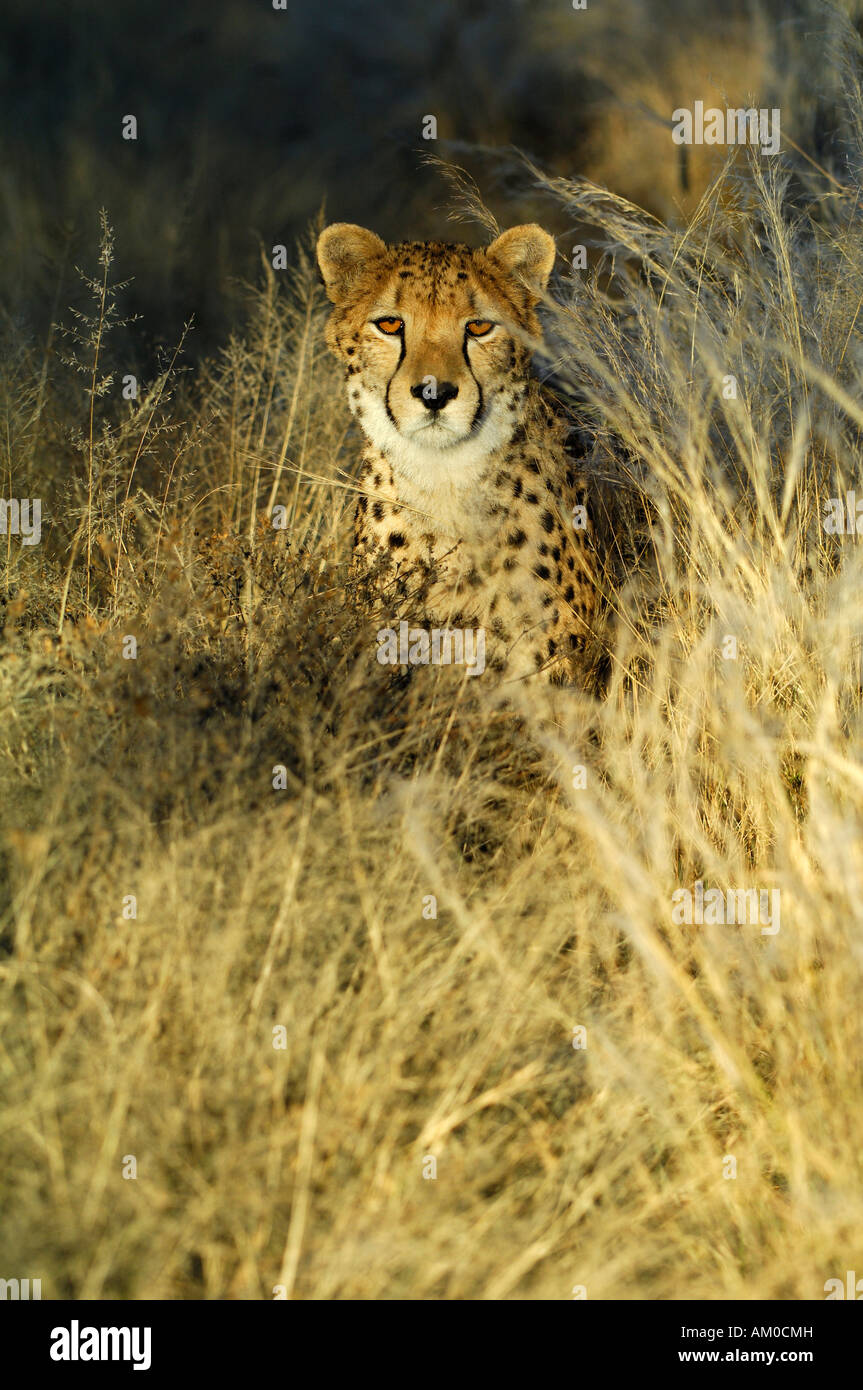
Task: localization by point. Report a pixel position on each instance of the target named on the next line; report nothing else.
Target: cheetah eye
(479, 328)
(390, 325)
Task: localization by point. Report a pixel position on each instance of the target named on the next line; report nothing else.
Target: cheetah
(465, 473)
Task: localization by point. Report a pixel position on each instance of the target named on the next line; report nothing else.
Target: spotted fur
(465, 474)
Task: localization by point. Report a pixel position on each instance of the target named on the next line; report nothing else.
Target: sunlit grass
(381, 962)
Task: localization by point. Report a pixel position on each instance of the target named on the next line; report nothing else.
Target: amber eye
(478, 328)
(391, 325)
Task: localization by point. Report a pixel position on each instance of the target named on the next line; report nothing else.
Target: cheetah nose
(434, 397)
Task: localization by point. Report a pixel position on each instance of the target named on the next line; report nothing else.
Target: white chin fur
(439, 478)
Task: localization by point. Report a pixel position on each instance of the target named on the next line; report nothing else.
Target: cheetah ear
(526, 252)
(344, 251)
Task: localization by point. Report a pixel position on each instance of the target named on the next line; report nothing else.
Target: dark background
(252, 120)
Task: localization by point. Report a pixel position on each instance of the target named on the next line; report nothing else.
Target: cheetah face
(435, 340)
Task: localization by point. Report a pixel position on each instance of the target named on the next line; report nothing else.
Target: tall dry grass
(382, 962)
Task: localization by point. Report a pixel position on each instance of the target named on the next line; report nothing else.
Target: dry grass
(297, 1158)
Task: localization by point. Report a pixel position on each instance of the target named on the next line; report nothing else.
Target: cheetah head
(435, 340)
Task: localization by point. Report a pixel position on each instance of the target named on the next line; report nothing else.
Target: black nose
(434, 397)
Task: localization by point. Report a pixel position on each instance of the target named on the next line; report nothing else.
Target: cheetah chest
(502, 554)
